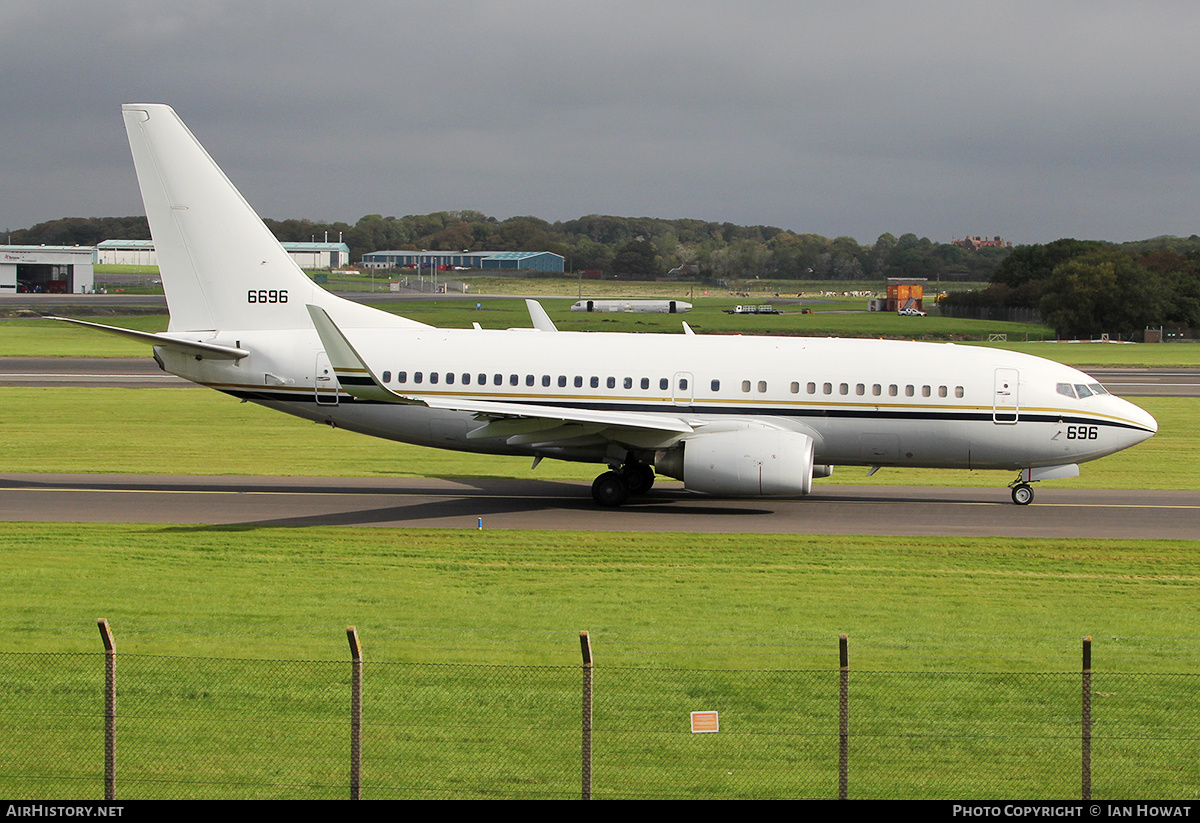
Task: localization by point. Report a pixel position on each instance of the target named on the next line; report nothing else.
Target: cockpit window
(1083, 390)
(1066, 389)
(1097, 388)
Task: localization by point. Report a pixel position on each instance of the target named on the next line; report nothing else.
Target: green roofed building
(449, 260)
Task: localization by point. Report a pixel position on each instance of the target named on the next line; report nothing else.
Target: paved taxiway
(532, 504)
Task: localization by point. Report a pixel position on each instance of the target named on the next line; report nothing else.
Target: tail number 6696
(266, 296)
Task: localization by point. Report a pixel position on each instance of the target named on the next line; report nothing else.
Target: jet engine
(747, 462)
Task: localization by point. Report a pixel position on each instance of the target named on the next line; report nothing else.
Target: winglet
(541, 320)
(352, 371)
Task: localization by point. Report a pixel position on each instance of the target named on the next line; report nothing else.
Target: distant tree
(1102, 292)
(636, 260)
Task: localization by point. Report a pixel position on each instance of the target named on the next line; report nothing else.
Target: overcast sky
(1033, 121)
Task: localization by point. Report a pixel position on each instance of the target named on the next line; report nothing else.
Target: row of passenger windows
(860, 389)
(465, 379)
(644, 383)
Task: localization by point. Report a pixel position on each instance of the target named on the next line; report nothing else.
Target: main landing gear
(615, 487)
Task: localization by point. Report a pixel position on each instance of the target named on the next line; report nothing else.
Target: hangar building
(306, 255)
(507, 260)
(47, 269)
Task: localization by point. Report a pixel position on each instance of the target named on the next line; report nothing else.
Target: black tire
(610, 489)
(1022, 494)
(639, 477)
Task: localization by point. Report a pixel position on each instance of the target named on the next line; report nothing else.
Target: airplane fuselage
(864, 402)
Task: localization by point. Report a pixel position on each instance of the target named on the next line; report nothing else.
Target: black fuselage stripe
(794, 412)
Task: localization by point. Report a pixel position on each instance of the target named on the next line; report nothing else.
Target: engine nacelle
(749, 462)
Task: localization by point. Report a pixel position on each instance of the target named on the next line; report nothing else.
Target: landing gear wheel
(610, 489)
(1022, 494)
(638, 476)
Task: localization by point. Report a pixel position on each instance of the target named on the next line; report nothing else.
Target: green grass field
(962, 652)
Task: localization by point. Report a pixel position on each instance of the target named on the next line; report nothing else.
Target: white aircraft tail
(221, 267)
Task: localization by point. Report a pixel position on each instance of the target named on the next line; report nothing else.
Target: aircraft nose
(1141, 418)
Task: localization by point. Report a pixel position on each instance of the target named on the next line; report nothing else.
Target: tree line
(629, 247)
(1083, 288)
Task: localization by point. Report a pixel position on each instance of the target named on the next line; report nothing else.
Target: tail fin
(221, 267)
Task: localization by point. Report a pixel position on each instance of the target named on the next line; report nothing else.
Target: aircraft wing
(531, 422)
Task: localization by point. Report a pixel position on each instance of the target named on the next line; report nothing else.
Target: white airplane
(650, 306)
(728, 415)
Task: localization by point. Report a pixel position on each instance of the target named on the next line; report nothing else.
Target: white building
(47, 269)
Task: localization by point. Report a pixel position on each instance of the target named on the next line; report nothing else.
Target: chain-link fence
(186, 727)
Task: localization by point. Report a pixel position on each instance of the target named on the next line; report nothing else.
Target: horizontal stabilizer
(195, 348)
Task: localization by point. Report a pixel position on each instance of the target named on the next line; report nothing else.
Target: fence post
(585, 646)
(844, 720)
(355, 713)
(110, 710)
(1086, 725)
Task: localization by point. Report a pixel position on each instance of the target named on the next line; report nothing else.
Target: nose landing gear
(1022, 493)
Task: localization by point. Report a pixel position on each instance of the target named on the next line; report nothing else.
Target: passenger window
(860, 389)
(926, 391)
(579, 381)
(812, 388)
(401, 377)
(762, 386)
(545, 380)
(827, 388)
(683, 384)
(876, 389)
(942, 392)
(466, 379)
(433, 377)
(529, 380)
(611, 382)
(449, 378)
(514, 380)
(628, 383)
(893, 390)
(594, 382)
(498, 379)
(562, 381)
(795, 388)
(843, 388)
(909, 391)
(745, 385)
(418, 377)
(958, 391)
(645, 384)
(716, 385)
(665, 384)
(387, 376)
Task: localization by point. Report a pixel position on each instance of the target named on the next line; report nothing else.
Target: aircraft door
(325, 382)
(1006, 401)
(682, 388)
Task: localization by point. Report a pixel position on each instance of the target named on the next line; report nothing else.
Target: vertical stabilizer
(221, 267)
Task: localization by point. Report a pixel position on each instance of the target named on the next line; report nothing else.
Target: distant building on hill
(975, 243)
